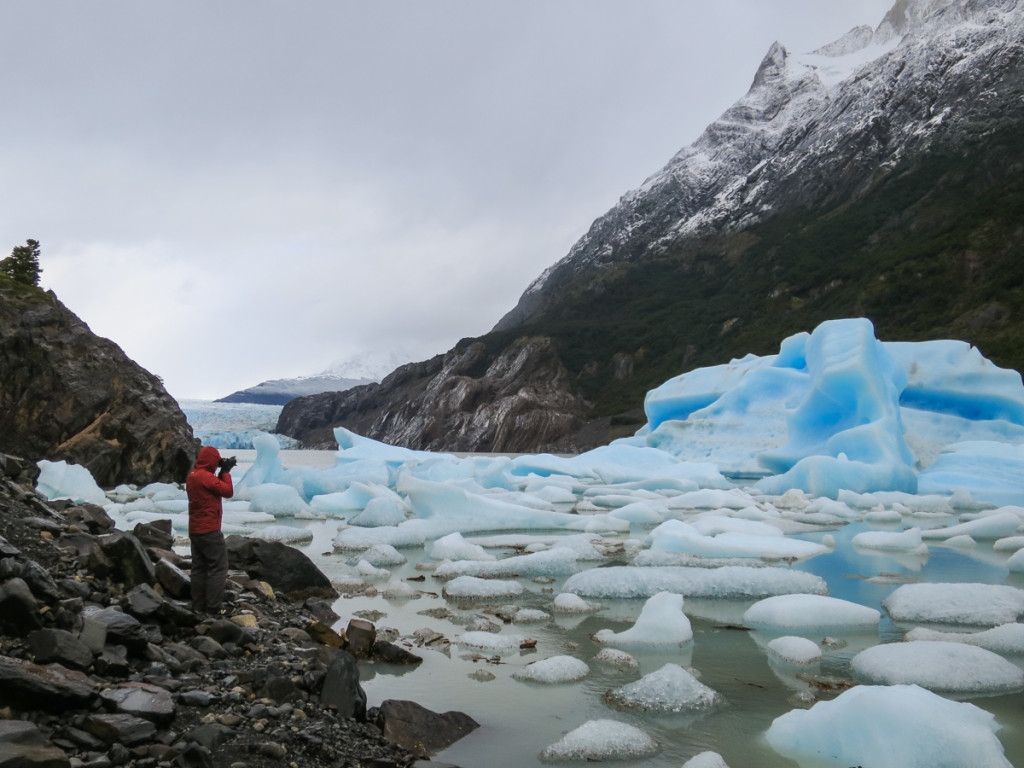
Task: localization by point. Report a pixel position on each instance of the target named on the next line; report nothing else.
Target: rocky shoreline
(103, 663)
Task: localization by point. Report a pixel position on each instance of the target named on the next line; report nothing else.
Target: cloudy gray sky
(241, 190)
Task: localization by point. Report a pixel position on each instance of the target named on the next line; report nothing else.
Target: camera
(226, 465)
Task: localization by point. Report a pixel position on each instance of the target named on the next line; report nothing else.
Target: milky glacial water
(519, 719)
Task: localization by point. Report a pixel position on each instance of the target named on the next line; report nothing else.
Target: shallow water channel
(519, 719)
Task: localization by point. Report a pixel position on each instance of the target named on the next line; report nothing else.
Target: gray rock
(173, 579)
(120, 729)
(131, 562)
(22, 745)
(157, 533)
(143, 602)
(19, 611)
(142, 700)
(61, 646)
(419, 730)
(50, 687)
(289, 571)
(341, 689)
(209, 647)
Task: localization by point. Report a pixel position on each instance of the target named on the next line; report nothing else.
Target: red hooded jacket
(205, 491)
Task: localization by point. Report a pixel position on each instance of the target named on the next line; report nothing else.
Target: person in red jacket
(206, 487)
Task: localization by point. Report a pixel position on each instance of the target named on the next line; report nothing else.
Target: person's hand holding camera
(226, 465)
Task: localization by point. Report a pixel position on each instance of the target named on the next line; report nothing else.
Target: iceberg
(943, 667)
(669, 689)
(1006, 639)
(810, 612)
(869, 725)
(730, 581)
(959, 603)
(601, 740)
(790, 649)
(472, 588)
(553, 670)
(661, 622)
(60, 480)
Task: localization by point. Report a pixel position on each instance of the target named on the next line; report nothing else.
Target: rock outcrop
(470, 399)
(68, 394)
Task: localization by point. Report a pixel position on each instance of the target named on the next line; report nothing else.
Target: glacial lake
(519, 719)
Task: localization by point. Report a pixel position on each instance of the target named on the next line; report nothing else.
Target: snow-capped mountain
(878, 176)
(812, 128)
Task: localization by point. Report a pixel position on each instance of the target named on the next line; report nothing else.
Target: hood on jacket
(208, 458)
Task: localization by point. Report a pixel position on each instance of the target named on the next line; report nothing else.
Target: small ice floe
(963, 541)
(988, 528)
(616, 658)
(455, 547)
(355, 538)
(906, 542)
(706, 760)
(566, 602)
(791, 649)
(279, 500)
(670, 689)
(745, 538)
(399, 590)
(381, 511)
(288, 534)
(1009, 544)
(60, 480)
(869, 725)
(661, 622)
(1007, 639)
(882, 515)
(531, 616)
(943, 667)
(472, 588)
(382, 555)
(554, 670)
(489, 642)
(371, 572)
(601, 740)
(737, 581)
(810, 612)
(559, 561)
(956, 603)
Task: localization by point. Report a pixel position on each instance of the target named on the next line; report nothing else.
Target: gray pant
(209, 570)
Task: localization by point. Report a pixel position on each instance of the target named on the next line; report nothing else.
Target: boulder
(51, 687)
(120, 728)
(390, 653)
(289, 571)
(361, 636)
(341, 689)
(58, 645)
(132, 565)
(157, 533)
(121, 628)
(92, 516)
(175, 582)
(419, 730)
(22, 745)
(19, 611)
(141, 700)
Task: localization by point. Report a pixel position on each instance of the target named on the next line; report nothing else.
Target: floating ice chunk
(1009, 544)
(711, 498)
(470, 587)
(869, 725)
(369, 571)
(1007, 639)
(991, 527)
(1016, 562)
(882, 515)
(734, 581)
(278, 500)
(794, 650)
(531, 616)
(490, 642)
(364, 538)
(601, 740)
(670, 689)
(288, 534)
(60, 480)
(958, 603)
(640, 513)
(810, 612)
(381, 511)
(399, 590)
(455, 547)
(616, 658)
(661, 622)
(706, 760)
(939, 666)
(383, 554)
(554, 670)
(570, 603)
(958, 542)
(551, 562)
(677, 536)
(908, 541)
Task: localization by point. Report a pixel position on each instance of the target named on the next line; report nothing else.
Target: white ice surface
(669, 689)
(790, 613)
(958, 603)
(553, 670)
(940, 666)
(661, 622)
(598, 740)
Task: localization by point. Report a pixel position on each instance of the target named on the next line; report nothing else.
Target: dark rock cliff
(474, 398)
(67, 394)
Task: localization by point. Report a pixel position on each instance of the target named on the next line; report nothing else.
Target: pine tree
(22, 266)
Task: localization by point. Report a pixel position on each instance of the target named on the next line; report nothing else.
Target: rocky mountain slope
(68, 394)
(878, 176)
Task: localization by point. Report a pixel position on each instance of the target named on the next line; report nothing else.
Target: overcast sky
(242, 190)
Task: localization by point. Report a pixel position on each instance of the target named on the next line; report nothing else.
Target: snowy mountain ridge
(836, 116)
